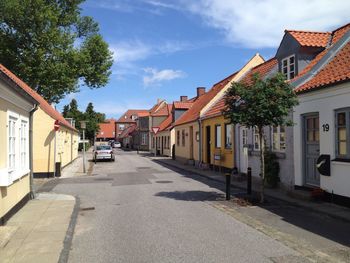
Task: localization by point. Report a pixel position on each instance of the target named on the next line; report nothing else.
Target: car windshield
(103, 147)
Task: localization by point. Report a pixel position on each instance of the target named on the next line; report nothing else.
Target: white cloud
(156, 77)
(256, 23)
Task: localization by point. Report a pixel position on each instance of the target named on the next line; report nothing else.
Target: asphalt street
(135, 210)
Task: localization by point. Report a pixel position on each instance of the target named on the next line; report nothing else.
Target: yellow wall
(10, 195)
(44, 143)
(227, 155)
(166, 151)
(184, 151)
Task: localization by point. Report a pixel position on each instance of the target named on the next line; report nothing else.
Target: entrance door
(312, 149)
(243, 150)
(208, 144)
(162, 145)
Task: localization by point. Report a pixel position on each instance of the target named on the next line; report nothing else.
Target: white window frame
(228, 136)
(12, 141)
(121, 127)
(24, 155)
(218, 136)
(256, 139)
(288, 65)
(277, 145)
(143, 139)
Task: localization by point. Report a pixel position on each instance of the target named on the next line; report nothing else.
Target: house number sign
(325, 127)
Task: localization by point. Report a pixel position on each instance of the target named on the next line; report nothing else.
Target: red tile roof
(127, 132)
(193, 113)
(156, 107)
(126, 117)
(335, 71)
(168, 121)
(339, 33)
(182, 105)
(162, 111)
(216, 109)
(143, 114)
(310, 38)
(262, 70)
(43, 104)
(107, 129)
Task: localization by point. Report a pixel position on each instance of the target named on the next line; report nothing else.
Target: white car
(116, 145)
(104, 152)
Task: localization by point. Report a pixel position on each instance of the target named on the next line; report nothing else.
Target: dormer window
(288, 67)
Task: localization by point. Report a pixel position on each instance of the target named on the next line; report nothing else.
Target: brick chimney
(183, 98)
(200, 91)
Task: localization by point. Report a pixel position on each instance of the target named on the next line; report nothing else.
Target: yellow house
(16, 112)
(189, 129)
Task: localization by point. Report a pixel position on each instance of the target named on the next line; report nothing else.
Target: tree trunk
(262, 163)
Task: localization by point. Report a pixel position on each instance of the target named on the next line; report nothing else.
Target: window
(278, 139)
(23, 144)
(288, 67)
(153, 143)
(178, 138)
(228, 136)
(168, 142)
(121, 127)
(183, 138)
(12, 143)
(144, 139)
(256, 139)
(217, 136)
(342, 133)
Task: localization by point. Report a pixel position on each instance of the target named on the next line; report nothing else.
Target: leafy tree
(52, 47)
(259, 104)
(71, 111)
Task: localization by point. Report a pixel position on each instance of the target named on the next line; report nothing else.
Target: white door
(243, 150)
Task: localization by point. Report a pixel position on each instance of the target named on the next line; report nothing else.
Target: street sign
(56, 125)
(155, 130)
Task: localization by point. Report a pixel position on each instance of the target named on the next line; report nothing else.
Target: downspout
(200, 140)
(237, 147)
(31, 114)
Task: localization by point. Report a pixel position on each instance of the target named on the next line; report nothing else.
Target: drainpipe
(237, 147)
(31, 114)
(200, 140)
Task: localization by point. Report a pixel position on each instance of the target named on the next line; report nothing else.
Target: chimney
(183, 98)
(200, 91)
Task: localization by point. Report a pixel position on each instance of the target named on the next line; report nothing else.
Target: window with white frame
(278, 139)
(12, 149)
(121, 127)
(217, 136)
(256, 139)
(342, 133)
(23, 144)
(228, 136)
(143, 139)
(288, 67)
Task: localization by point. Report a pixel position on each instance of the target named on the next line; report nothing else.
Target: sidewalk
(39, 231)
(326, 208)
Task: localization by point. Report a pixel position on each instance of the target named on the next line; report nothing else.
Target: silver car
(104, 152)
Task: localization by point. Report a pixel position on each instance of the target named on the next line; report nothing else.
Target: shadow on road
(312, 221)
(191, 195)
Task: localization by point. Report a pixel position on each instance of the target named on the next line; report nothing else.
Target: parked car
(116, 145)
(104, 152)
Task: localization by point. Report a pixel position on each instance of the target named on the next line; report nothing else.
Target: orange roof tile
(310, 38)
(143, 114)
(335, 71)
(168, 121)
(107, 129)
(216, 109)
(127, 132)
(339, 33)
(126, 117)
(43, 104)
(162, 111)
(262, 70)
(193, 113)
(182, 105)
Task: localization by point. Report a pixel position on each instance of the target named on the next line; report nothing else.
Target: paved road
(144, 212)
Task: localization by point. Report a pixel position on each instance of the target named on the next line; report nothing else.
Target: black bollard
(249, 181)
(228, 186)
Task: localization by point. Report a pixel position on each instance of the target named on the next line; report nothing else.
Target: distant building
(106, 131)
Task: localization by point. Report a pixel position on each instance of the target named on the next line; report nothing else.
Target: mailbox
(323, 164)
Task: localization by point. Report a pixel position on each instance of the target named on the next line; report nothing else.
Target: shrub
(87, 146)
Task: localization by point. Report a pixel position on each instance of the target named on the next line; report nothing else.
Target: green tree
(71, 111)
(259, 104)
(52, 47)
(93, 118)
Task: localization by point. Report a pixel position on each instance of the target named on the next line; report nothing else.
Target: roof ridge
(339, 28)
(308, 31)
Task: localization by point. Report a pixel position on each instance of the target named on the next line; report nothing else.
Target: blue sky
(164, 49)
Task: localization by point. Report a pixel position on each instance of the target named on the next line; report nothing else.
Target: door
(208, 144)
(191, 142)
(162, 145)
(243, 150)
(311, 149)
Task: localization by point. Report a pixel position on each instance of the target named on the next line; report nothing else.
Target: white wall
(325, 102)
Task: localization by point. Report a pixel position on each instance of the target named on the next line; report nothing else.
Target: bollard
(249, 181)
(228, 186)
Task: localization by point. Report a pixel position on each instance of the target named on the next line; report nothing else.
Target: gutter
(31, 114)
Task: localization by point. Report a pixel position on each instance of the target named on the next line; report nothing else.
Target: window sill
(7, 178)
(341, 161)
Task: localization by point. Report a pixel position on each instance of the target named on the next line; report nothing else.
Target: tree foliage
(52, 47)
(92, 117)
(258, 104)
